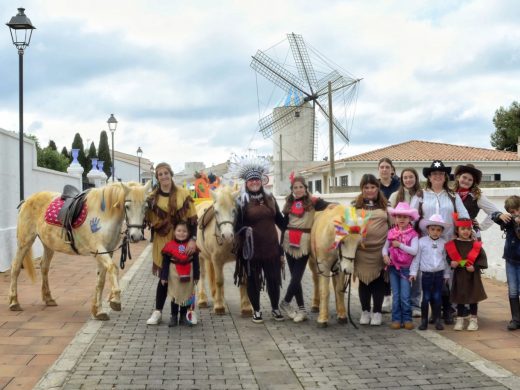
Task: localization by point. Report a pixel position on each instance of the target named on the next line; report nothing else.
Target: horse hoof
(342, 320)
(51, 302)
(116, 306)
(15, 307)
(246, 312)
(203, 305)
(322, 324)
(220, 310)
(102, 317)
(315, 309)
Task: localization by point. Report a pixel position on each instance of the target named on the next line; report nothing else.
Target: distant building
(496, 165)
(127, 168)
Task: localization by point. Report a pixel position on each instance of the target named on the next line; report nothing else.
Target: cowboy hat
(469, 168)
(435, 220)
(404, 208)
(437, 165)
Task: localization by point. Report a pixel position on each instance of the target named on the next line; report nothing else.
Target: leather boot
(514, 324)
(447, 312)
(424, 317)
(438, 321)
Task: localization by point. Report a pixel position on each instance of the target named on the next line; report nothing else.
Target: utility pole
(331, 141)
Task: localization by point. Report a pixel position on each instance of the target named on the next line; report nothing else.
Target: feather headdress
(249, 167)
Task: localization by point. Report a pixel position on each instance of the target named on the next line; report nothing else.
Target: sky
(177, 75)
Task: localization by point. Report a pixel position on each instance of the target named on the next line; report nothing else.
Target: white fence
(35, 179)
(492, 237)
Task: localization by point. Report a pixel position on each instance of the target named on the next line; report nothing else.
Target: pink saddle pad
(51, 215)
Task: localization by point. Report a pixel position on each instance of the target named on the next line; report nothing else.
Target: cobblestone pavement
(230, 352)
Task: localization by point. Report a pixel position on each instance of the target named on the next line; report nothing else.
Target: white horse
(215, 237)
(106, 210)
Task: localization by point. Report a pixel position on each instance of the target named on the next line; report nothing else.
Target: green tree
(82, 159)
(104, 153)
(52, 145)
(91, 154)
(65, 153)
(507, 124)
(52, 159)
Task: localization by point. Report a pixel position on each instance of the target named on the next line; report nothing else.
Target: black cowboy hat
(469, 168)
(437, 165)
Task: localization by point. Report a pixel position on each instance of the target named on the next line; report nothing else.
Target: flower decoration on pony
(351, 223)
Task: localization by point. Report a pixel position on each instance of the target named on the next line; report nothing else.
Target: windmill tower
(293, 126)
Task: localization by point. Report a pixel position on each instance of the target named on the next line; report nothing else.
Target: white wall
(35, 179)
(492, 237)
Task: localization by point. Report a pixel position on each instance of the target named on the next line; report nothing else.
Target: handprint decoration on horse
(335, 236)
(96, 231)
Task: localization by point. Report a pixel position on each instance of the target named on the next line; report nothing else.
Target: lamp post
(112, 126)
(139, 155)
(21, 28)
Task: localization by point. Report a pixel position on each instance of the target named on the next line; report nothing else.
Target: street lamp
(112, 126)
(139, 155)
(21, 28)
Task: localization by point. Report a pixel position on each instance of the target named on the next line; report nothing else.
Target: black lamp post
(21, 28)
(139, 155)
(112, 126)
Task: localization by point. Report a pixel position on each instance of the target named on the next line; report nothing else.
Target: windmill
(305, 92)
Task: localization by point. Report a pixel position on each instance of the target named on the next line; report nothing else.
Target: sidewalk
(230, 352)
(32, 340)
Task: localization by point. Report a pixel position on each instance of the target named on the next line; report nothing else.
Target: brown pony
(107, 208)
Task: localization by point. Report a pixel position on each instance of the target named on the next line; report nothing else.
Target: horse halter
(130, 225)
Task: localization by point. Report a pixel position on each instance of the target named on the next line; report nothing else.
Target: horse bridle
(218, 224)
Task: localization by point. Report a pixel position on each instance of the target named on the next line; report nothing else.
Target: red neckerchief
(463, 193)
(454, 254)
(297, 208)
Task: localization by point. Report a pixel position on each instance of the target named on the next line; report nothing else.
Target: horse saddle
(206, 217)
(72, 205)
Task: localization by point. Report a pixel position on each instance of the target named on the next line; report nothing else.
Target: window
(491, 177)
(309, 185)
(318, 186)
(343, 180)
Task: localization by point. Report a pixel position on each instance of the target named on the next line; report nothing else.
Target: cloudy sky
(177, 76)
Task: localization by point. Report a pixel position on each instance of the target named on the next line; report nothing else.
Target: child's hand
(470, 268)
(164, 282)
(411, 278)
(454, 264)
(396, 243)
(386, 259)
(505, 217)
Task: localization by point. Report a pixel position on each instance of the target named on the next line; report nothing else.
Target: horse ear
(126, 188)
(148, 186)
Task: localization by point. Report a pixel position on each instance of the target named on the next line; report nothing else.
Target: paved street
(230, 352)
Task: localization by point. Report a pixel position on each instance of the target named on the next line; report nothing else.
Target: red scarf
(177, 251)
(463, 193)
(454, 255)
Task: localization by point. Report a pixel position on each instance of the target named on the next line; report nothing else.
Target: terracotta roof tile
(429, 151)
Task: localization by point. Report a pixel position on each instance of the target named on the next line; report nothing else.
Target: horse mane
(225, 196)
(112, 195)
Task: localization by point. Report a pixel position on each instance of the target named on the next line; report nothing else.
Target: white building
(127, 167)
(496, 165)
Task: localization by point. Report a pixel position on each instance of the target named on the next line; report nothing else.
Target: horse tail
(28, 265)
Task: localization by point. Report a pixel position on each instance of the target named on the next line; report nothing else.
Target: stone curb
(488, 368)
(55, 377)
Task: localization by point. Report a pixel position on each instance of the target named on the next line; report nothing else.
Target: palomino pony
(106, 210)
(215, 240)
(335, 236)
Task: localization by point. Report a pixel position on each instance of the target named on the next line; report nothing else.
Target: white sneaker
(387, 304)
(301, 315)
(459, 323)
(365, 318)
(377, 319)
(287, 309)
(473, 324)
(155, 318)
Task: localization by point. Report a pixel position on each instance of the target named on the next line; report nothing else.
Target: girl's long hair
(474, 189)
(380, 201)
(414, 190)
(289, 200)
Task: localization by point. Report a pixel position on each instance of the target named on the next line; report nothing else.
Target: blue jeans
(401, 305)
(432, 283)
(415, 293)
(513, 279)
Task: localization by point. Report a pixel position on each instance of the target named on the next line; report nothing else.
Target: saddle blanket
(51, 215)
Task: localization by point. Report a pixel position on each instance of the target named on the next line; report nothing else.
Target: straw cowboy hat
(469, 168)
(437, 165)
(403, 208)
